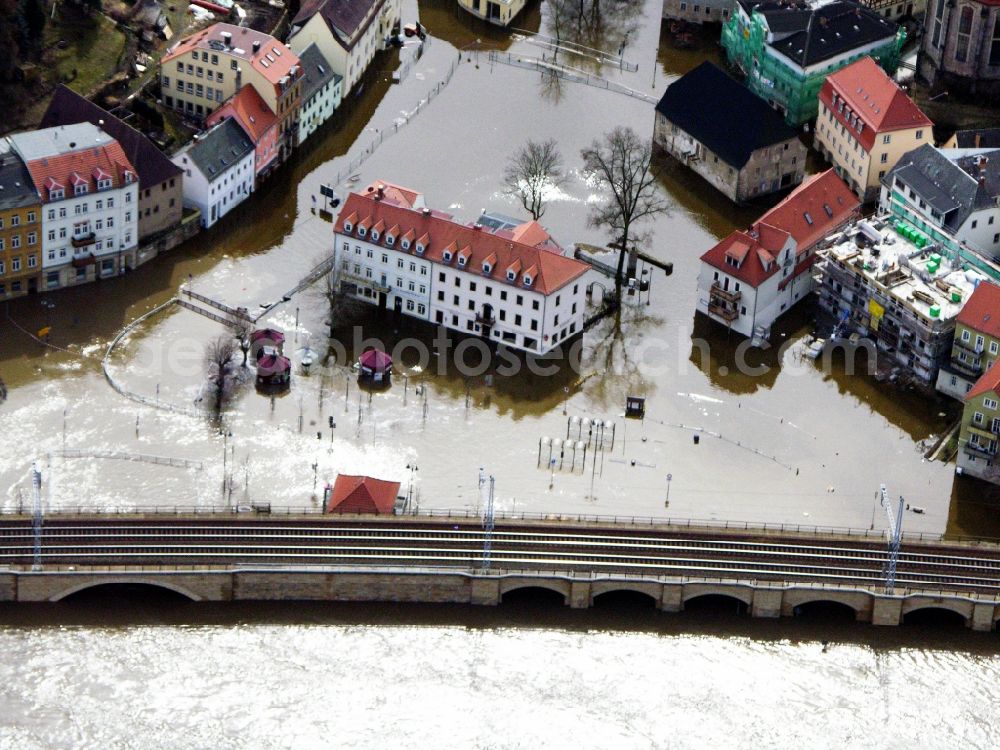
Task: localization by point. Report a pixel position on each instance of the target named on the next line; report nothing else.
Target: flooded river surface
(110, 673)
(795, 444)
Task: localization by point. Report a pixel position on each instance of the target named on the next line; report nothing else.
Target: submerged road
(591, 549)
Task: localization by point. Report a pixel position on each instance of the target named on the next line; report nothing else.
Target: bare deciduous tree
(533, 170)
(620, 162)
(219, 354)
(242, 333)
(342, 305)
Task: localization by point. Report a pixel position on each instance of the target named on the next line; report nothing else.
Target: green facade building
(787, 49)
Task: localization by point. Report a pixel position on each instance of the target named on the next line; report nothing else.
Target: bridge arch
(915, 604)
(653, 590)
(739, 592)
(514, 584)
(127, 580)
(860, 602)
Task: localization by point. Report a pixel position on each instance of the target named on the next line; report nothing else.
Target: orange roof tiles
(360, 494)
(817, 207)
(547, 270)
(55, 172)
(988, 382)
(875, 98)
(273, 60)
(982, 310)
(249, 110)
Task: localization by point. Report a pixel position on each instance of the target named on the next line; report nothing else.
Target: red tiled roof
(273, 60)
(549, 271)
(358, 494)
(875, 98)
(69, 168)
(982, 310)
(988, 382)
(249, 110)
(829, 204)
(814, 196)
(395, 193)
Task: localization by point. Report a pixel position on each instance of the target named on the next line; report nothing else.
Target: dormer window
(128, 178)
(80, 189)
(511, 275)
(374, 235)
(420, 248)
(390, 240)
(57, 194)
(405, 244)
(348, 226)
(527, 280)
(461, 260)
(362, 231)
(446, 256)
(487, 268)
(104, 184)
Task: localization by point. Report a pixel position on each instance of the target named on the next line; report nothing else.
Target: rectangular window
(886, 138)
(964, 31)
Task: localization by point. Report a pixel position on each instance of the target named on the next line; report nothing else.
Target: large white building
(218, 171)
(509, 285)
(89, 194)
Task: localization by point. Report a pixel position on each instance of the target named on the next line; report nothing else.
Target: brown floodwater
(127, 669)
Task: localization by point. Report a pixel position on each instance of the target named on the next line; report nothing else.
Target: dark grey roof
(344, 18)
(220, 148)
(811, 35)
(151, 165)
(707, 104)
(316, 71)
(953, 188)
(16, 187)
(987, 138)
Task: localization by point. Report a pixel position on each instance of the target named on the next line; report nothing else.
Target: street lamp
(666, 503)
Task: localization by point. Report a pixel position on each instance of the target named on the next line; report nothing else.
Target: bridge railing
(259, 509)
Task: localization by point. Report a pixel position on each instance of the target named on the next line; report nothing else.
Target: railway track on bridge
(228, 541)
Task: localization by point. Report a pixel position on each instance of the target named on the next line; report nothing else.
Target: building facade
(258, 122)
(20, 229)
(698, 12)
(161, 194)
(499, 13)
(218, 171)
(897, 291)
(866, 124)
(787, 49)
(466, 278)
(205, 69)
(694, 125)
(976, 345)
(960, 49)
(950, 197)
(978, 435)
(753, 277)
(90, 196)
(321, 91)
(348, 34)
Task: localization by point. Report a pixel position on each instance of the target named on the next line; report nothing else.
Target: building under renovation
(888, 283)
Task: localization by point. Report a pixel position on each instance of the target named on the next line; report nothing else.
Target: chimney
(256, 47)
(227, 38)
(426, 212)
(381, 191)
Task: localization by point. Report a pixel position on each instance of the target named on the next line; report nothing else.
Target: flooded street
(795, 444)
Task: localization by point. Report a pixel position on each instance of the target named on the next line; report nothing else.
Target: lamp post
(666, 503)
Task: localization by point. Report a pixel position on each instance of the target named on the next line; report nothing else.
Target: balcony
(486, 319)
(980, 451)
(725, 294)
(729, 314)
(969, 346)
(966, 369)
(82, 240)
(365, 281)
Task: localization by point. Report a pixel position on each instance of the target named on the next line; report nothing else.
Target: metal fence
(566, 73)
(147, 458)
(257, 509)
